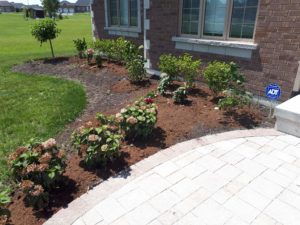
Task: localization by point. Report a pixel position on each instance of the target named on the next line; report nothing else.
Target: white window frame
(132, 29)
(227, 24)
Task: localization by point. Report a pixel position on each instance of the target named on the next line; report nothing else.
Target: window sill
(124, 31)
(228, 48)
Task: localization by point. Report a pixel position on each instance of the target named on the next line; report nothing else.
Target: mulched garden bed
(108, 91)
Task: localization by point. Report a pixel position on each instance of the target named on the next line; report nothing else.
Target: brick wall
(99, 23)
(278, 36)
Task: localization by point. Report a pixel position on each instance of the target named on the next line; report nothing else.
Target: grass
(35, 106)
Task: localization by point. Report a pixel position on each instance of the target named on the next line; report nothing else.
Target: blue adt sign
(273, 91)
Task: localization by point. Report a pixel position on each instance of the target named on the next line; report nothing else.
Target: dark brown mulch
(108, 91)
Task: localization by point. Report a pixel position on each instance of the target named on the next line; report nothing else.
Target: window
(219, 19)
(190, 16)
(123, 13)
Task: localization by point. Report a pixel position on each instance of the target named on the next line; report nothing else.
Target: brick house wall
(98, 20)
(277, 35)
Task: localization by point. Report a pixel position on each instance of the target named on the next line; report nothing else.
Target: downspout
(146, 5)
(92, 19)
(296, 89)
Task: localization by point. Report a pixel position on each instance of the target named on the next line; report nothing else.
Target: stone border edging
(81, 205)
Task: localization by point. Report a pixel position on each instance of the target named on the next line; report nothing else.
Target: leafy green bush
(98, 58)
(183, 65)
(220, 76)
(36, 195)
(40, 164)
(125, 52)
(119, 49)
(136, 69)
(234, 98)
(180, 95)
(89, 55)
(188, 68)
(226, 78)
(164, 83)
(97, 145)
(151, 95)
(4, 201)
(139, 119)
(105, 47)
(81, 46)
(169, 64)
(45, 30)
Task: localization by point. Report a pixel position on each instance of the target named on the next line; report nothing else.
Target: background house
(262, 36)
(5, 6)
(83, 6)
(34, 11)
(66, 7)
(18, 6)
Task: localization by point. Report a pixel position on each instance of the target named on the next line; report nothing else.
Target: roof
(18, 5)
(34, 7)
(66, 3)
(83, 2)
(5, 3)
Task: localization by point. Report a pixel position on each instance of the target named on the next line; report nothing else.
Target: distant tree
(45, 30)
(51, 7)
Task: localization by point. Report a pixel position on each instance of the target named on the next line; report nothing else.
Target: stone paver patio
(235, 178)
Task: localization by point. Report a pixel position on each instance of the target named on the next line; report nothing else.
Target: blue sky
(33, 2)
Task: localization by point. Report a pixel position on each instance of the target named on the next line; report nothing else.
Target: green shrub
(98, 58)
(105, 47)
(125, 52)
(188, 68)
(220, 75)
(226, 78)
(164, 83)
(42, 166)
(151, 95)
(234, 98)
(139, 119)
(169, 64)
(136, 69)
(81, 46)
(45, 30)
(4, 201)
(5, 197)
(89, 55)
(180, 95)
(97, 145)
(120, 49)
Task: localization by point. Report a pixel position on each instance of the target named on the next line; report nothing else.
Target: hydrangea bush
(42, 166)
(97, 144)
(4, 201)
(139, 119)
(164, 83)
(81, 46)
(89, 55)
(180, 95)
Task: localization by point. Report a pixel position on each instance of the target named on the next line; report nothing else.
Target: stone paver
(249, 177)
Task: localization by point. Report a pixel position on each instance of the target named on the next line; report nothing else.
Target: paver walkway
(235, 178)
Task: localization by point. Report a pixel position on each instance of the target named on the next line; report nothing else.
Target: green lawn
(35, 106)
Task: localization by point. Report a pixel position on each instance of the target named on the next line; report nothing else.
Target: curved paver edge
(81, 205)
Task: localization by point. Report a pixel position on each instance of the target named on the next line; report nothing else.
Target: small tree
(51, 7)
(45, 30)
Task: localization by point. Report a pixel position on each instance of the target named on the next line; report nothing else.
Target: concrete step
(288, 116)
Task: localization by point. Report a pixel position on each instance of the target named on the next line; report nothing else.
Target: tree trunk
(51, 48)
